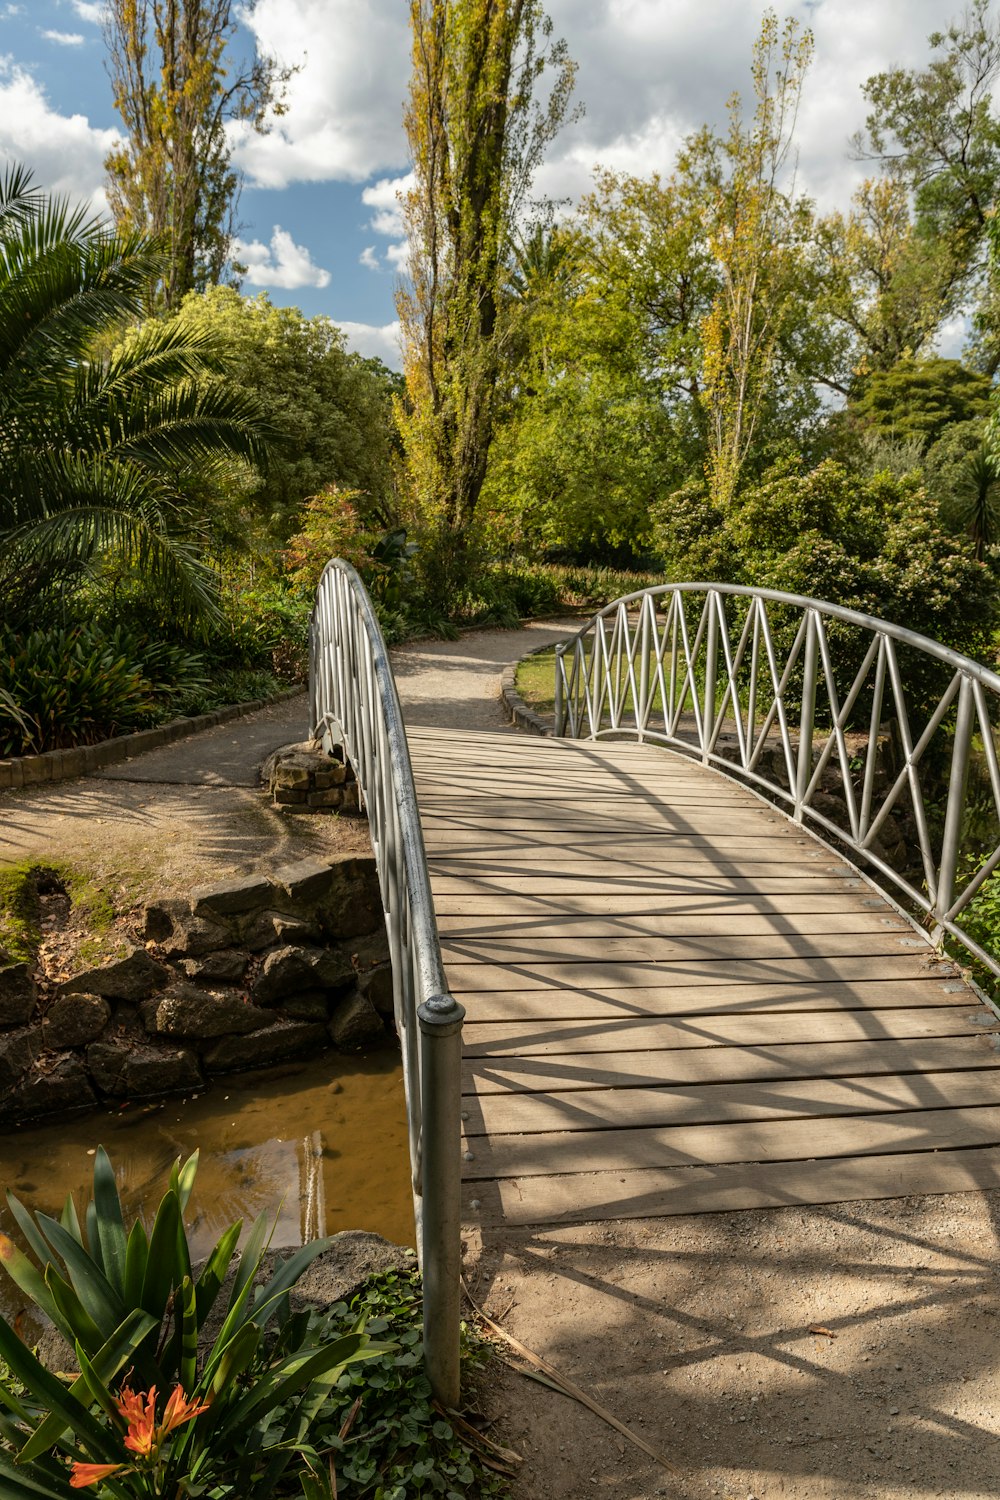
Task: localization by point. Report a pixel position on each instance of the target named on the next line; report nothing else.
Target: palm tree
(975, 503)
(100, 440)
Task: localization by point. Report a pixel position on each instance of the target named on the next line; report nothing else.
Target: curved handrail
(744, 695)
(354, 704)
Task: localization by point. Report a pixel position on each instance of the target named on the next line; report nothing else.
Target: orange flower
(142, 1436)
(179, 1410)
(83, 1474)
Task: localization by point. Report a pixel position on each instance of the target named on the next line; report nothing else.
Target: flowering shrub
(133, 1311)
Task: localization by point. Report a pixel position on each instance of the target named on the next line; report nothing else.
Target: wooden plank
(674, 832)
(600, 1008)
(666, 924)
(710, 947)
(621, 974)
(746, 1141)
(590, 1197)
(752, 1062)
(509, 1040)
(646, 883)
(710, 1104)
(508, 906)
(581, 850)
(691, 864)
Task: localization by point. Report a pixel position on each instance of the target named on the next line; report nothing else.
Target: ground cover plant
(201, 1381)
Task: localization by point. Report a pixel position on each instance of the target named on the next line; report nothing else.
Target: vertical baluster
(807, 713)
(711, 670)
(955, 809)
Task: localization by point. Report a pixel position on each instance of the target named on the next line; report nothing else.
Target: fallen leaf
(826, 1332)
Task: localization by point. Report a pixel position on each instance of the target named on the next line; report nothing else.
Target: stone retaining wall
(61, 765)
(244, 974)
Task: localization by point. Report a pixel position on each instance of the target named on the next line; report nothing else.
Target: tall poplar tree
(476, 135)
(176, 89)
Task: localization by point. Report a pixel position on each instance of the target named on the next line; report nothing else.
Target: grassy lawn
(535, 680)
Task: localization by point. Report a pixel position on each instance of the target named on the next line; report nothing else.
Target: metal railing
(354, 703)
(746, 680)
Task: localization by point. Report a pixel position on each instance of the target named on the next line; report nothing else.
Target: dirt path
(173, 818)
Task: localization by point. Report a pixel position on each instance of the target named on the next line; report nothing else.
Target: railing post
(711, 667)
(807, 715)
(955, 809)
(560, 708)
(441, 1020)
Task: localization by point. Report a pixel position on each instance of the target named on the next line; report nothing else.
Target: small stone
(190, 1012)
(306, 880)
(152, 1071)
(18, 1050)
(62, 1089)
(334, 797)
(227, 965)
(106, 1062)
(75, 1019)
(267, 927)
(282, 1040)
(376, 985)
(133, 978)
(310, 1005)
(356, 1024)
(17, 994)
(198, 936)
(247, 893)
(286, 776)
(293, 968)
(332, 774)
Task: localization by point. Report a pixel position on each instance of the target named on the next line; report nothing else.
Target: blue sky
(320, 226)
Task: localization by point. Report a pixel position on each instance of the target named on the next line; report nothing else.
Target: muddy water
(320, 1147)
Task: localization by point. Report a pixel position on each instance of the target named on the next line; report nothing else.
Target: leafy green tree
(920, 398)
(887, 286)
(937, 129)
(96, 449)
(476, 136)
(177, 94)
(875, 544)
(329, 412)
(757, 232)
(936, 126)
(718, 260)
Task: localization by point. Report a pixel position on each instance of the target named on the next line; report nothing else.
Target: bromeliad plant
(152, 1413)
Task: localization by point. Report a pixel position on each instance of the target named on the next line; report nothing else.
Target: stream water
(319, 1147)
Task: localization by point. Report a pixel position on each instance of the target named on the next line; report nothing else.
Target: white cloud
(370, 340)
(398, 255)
(64, 38)
(90, 10)
(11, 10)
(283, 263)
(65, 152)
(369, 259)
(344, 108)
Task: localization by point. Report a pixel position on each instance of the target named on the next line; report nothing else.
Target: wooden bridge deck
(680, 1002)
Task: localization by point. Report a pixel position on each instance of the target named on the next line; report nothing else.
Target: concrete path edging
(514, 705)
(81, 760)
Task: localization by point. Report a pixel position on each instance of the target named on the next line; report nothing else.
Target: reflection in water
(319, 1147)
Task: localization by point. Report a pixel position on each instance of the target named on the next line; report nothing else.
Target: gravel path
(456, 684)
